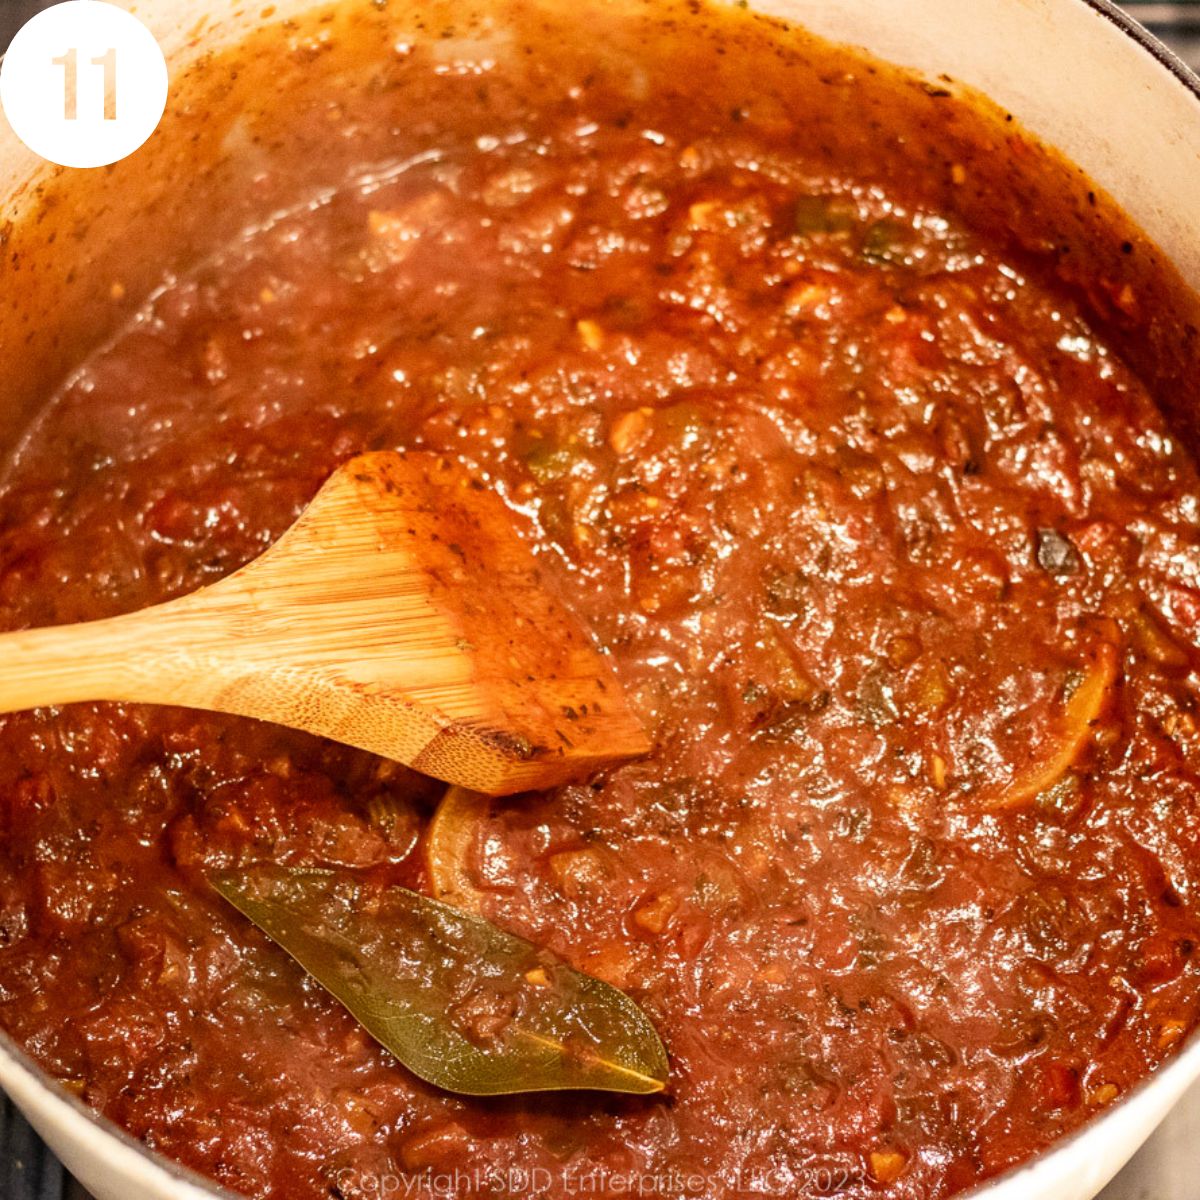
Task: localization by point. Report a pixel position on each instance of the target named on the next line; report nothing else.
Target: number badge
(84, 83)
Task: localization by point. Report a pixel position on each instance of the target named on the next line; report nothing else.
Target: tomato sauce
(895, 555)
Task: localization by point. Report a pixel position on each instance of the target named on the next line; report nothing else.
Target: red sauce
(863, 502)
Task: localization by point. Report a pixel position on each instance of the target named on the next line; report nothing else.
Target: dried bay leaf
(462, 1004)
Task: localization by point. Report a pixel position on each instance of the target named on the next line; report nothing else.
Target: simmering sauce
(893, 551)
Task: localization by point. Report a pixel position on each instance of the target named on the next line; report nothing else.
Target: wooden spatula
(401, 613)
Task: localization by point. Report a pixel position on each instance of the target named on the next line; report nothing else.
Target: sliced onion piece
(450, 843)
(1073, 730)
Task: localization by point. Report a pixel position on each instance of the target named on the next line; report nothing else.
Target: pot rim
(1184, 1065)
(1149, 42)
(71, 1107)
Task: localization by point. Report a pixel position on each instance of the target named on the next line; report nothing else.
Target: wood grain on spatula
(401, 613)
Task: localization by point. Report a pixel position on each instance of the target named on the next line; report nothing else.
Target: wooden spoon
(401, 613)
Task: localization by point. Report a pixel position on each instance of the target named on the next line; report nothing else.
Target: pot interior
(246, 138)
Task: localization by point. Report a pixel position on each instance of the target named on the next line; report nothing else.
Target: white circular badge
(84, 83)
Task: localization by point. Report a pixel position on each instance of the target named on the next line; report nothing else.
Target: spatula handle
(143, 656)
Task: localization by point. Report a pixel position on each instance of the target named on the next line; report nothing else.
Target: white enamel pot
(1077, 73)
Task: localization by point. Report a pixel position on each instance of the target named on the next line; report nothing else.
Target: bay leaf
(462, 1004)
